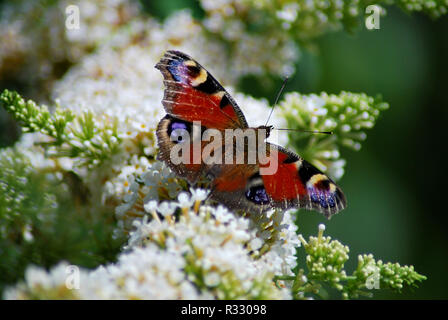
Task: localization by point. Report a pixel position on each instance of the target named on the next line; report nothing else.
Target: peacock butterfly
(198, 106)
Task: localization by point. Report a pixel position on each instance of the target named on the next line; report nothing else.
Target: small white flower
(167, 208)
(199, 194)
(321, 227)
(185, 200)
(151, 206)
(256, 243)
(212, 279)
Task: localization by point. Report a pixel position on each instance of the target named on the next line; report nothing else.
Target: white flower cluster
(199, 252)
(346, 115)
(218, 241)
(156, 183)
(304, 19)
(34, 51)
(326, 258)
(310, 113)
(433, 7)
(146, 273)
(252, 52)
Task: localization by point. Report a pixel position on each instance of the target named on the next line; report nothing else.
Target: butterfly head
(267, 129)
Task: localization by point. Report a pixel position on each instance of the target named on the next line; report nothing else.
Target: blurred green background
(394, 185)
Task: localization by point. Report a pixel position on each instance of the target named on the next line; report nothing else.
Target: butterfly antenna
(276, 99)
(308, 131)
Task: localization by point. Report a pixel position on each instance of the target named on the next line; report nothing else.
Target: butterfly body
(202, 116)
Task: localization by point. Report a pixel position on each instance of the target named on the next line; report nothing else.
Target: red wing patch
(285, 184)
(233, 177)
(193, 105)
(297, 183)
(192, 94)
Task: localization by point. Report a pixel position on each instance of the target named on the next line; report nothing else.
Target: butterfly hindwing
(231, 184)
(297, 183)
(193, 94)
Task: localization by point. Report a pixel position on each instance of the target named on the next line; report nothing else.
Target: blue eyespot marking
(176, 68)
(324, 199)
(257, 195)
(331, 201)
(178, 125)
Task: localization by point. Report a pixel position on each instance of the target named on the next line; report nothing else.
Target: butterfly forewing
(193, 94)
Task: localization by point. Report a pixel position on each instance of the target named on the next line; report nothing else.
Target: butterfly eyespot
(257, 195)
(323, 184)
(193, 71)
